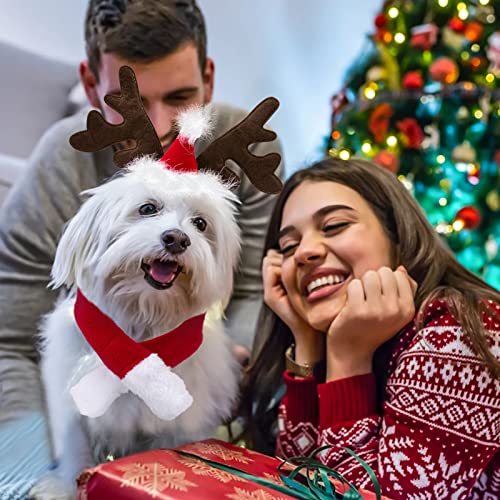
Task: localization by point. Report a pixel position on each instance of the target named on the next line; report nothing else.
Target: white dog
(150, 248)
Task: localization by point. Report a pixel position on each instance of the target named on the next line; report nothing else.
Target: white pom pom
(163, 391)
(196, 122)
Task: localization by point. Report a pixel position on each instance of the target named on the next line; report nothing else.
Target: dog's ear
(80, 245)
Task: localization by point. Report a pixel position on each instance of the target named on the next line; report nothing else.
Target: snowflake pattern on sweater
(439, 434)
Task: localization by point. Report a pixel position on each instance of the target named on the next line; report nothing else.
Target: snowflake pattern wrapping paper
(168, 475)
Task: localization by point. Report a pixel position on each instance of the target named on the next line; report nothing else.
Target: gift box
(207, 470)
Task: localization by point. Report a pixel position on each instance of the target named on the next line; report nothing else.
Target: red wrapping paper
(165, 474)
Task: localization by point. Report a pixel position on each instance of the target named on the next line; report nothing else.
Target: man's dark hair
(142, 30)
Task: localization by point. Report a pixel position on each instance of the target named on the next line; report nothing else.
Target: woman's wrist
(337, 369)
(309, 346)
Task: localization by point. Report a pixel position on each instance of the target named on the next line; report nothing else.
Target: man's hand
(377, 307)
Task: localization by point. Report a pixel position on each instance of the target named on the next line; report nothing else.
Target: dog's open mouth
(161, 274)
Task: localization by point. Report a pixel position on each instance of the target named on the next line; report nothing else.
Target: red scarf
(120, 353)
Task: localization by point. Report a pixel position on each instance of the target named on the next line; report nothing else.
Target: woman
(390, 346)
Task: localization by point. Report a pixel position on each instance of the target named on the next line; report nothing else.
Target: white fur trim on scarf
(94, 393)
(196, 122)
(159, 387)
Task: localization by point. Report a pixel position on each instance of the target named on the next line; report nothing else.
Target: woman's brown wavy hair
(420, 250)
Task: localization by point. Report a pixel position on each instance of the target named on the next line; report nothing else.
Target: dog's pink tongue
(163, 272)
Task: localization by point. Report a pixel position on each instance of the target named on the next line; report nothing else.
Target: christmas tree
(423, 101)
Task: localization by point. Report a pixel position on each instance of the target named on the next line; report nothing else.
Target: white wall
(296, 50)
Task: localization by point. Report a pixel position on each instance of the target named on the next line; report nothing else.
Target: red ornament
(470, 216)
(444, 70)
(456, 24)
(378, 123)
(424, 36)
(473, 31)
(387, 160)
(339, 102)
(381, 21)
(412, 133)
(413, 80)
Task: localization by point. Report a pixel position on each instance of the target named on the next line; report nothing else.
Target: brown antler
(234, 145)
(136, 125)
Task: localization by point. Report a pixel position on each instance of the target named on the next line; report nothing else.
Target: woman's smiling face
(329, 236)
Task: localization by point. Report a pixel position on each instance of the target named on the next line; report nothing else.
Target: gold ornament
(464, 153)
(375, 74)
(493, 200)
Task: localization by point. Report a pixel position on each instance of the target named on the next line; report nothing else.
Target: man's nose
(162, 119)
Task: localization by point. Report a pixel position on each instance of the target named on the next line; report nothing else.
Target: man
(165, 44)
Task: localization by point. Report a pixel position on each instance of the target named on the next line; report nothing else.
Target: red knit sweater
(439, 433)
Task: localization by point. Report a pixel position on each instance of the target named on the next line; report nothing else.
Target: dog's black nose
(175, 241)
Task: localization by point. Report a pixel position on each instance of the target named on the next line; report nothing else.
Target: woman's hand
(377, 307)
(309, 343)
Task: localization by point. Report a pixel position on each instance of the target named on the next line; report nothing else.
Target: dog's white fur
(101, 252)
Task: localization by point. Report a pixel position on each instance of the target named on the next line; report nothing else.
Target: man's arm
(31, 221)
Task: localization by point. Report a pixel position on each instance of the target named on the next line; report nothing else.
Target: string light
(393, 12)
(440, 159)
(478, 114)
(475, 47)
(458, 225)
(443, 202)
(392, 140)
(490, 77)
(369, 93)
(484, 2)
(490, 18)
(443, 3)
(463, 14)
(366, 147)
(344, 154)
(476, 62)
(445, 184)
(399, 37)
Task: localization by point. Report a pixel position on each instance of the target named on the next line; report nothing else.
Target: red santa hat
(193, 124)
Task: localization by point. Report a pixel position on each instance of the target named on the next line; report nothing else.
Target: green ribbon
(317, 476)
(246, 475)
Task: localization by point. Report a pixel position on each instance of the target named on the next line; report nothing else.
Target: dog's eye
(148, 209)
(199, 223)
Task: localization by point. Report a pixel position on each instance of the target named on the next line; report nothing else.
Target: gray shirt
(32, 219)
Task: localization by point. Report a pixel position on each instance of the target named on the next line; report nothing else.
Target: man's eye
(176, 99)
(330, 228)
(148, 209)
(199, 223)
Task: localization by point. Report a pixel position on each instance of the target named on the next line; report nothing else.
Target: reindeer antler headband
(137, 126)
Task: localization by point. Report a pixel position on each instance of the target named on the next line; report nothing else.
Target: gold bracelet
(304, 371)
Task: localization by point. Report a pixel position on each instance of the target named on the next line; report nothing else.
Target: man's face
(167, 86)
